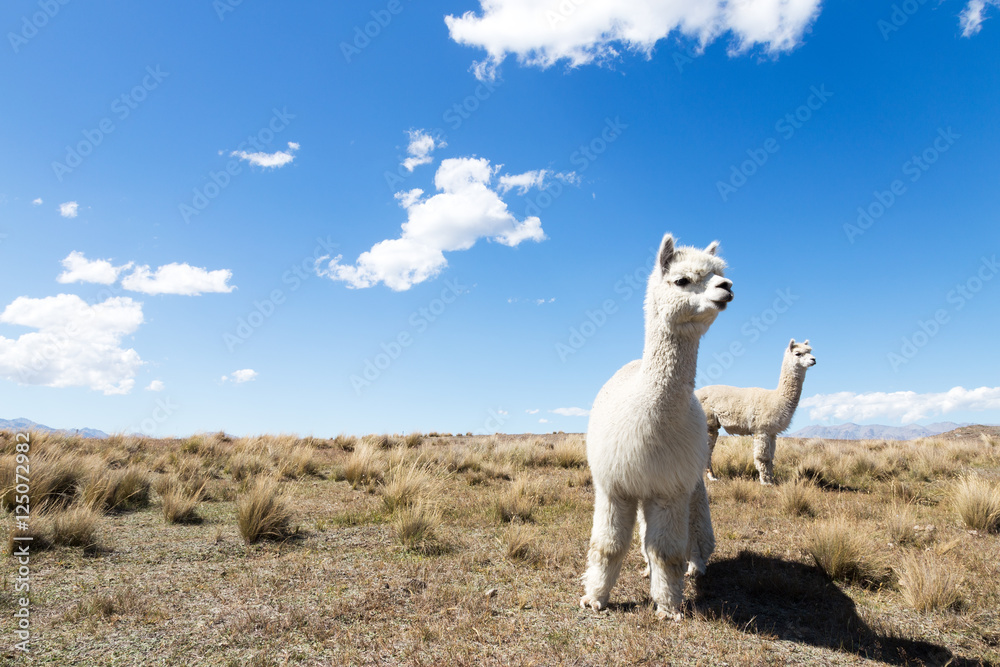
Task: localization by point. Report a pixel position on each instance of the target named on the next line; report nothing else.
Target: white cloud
(523, 182)
(534, 179)
(543, 421)
(542, 302)
(75, 345)
(241, 376)
(906, 406)
(971, 18)
(420, 148)
(465, 210)
(532, 412)
(269, 160)
(68, 209)
(543, 33)
(177, 278)
(79, 269)
(37, 201)
(571, 412)
(155, 385)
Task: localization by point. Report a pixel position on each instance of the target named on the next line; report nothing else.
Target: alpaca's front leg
(614, 519)
(642, 541)
(667, 547)
(700, 534)
(763, 457)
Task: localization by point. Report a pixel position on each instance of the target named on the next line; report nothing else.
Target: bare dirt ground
(451, 550)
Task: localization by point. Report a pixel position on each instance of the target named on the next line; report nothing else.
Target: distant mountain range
(874, 431)
(22, 425)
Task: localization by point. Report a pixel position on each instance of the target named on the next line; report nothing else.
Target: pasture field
(462, 550)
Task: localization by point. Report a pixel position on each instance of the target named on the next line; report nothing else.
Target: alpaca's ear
(712, 247)
(666, 254)
(806, 342)
(792, 344)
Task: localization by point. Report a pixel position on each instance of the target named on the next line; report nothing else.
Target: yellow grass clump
(977, 503)
(262, 512)
(928, 586)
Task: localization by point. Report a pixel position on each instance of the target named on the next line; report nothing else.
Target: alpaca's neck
(669, 360)
(789, 391)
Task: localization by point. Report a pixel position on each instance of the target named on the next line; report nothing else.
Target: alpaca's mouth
(724, 301)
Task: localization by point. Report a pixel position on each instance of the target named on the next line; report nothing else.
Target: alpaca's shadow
(794, 602)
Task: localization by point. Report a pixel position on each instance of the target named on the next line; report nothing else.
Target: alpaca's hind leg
(667, 547)
(614, 519)
(642, 541)
(701, 537)
(713, 436)
(763, 457)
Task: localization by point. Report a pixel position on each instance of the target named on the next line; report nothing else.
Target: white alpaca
(763, 413)
(647, 443)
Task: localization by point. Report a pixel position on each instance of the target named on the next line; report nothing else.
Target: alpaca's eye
(681, 282)
(798, 354)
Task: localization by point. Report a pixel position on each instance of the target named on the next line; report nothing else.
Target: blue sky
(202, 208)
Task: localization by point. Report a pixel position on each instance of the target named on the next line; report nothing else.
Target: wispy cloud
(571, 412)
(68, 209)
(905, 406)
(155, 385)
(532, 412)
(241, 376)
(465, 210)
(37, 202)
(269, 160)
(544, 33)
(971, 18)
(420, 148)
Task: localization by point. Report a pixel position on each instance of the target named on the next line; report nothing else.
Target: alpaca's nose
(726, 284)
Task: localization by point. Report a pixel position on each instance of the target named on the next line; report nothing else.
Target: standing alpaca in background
(647, 444)
(763, 413)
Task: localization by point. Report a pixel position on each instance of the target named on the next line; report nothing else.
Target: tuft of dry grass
(407, 483)
(798, 498)
(743, 490)
(115, 490)
(180, 505)
(977, 503)
(54, 480)
(365, 465)
(927, 585)
(297, 462)
(262, 512)
(417, 529)
(733, 457)
(569, 453)
(247, 465)
(842, 554)
(900, 521)
(39, 530)
(517, 501)
(75, 527)
(520, 542)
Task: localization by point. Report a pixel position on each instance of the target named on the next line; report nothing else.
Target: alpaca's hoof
(695, 569)
(711, 476)
(593, 603)
(669, 615)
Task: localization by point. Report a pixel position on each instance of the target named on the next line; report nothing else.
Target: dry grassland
(449, 550)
